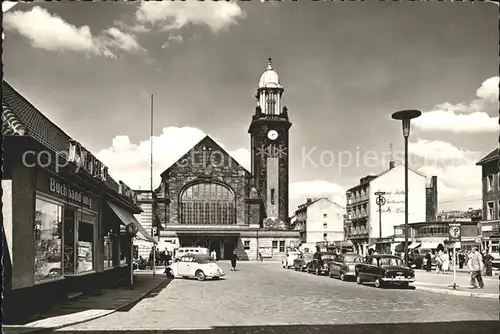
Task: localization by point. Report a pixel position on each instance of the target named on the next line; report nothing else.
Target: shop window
(246, 244)
(282, 246)
(48, 246)
(124, 247)
(85, 243)
(108, 252)
(275, 245)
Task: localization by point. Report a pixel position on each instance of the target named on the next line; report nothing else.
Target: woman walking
(234, 258)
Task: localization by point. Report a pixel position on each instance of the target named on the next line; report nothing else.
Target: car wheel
(342, 277)
(359, 280)
(200, 275)
(378, 283)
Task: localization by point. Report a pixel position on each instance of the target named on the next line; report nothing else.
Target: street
(265, 294)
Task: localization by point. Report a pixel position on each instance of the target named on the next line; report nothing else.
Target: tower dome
(269, 79)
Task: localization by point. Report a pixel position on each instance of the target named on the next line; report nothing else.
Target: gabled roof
(207, 140)
(20, 117)
(308, 204)
(492, 156)
(373, 177)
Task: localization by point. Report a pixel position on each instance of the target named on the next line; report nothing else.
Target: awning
(127, 218)
(208, 233)
(400, 248)
(413, 246)
(430, 245)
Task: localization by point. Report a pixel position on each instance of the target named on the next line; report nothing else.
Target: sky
(345, 68)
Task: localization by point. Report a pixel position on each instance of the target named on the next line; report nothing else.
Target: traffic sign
(455, 232)
(380, 201)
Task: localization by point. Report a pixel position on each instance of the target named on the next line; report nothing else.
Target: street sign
(455, 232)
(380, 201)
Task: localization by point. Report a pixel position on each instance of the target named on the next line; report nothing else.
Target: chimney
(309, 200)
(391, 162)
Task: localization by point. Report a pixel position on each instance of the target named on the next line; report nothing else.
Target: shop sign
(69, 193)
(85, 160)
(126, 191)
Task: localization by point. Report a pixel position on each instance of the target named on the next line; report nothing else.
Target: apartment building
(319, 220)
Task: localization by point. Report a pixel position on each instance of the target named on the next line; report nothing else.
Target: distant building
(364, 227)
(319, 220)
(490, 224)
(145, 202)
(431, 200)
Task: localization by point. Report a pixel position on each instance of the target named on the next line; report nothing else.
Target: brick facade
(205, 161)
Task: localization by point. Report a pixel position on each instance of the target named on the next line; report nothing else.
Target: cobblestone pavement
(266, 294)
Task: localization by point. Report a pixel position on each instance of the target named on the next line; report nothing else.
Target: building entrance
(222, 245)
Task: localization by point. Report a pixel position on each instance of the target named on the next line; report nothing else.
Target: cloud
(472, 117)
(52, 33)
(174, 15)
(130, 162)
(459, 179)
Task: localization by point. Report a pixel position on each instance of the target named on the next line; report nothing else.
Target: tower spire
(269, 64)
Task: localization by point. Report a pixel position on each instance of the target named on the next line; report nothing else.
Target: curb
(103, 314)
(459, 293)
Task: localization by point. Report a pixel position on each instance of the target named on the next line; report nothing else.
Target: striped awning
(127, 218)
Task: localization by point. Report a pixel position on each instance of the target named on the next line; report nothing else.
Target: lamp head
(405, 116)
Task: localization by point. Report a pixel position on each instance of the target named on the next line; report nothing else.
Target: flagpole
(151, 189)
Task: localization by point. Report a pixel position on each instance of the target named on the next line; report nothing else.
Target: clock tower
(269, 146)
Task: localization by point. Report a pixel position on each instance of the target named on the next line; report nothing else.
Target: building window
(207, 204)
(489, 182)
(490, 210)
(246, 244)
(325, 215)
(325, 225)
(48, 246)
(325, 236)
(86, 235)
(282, 246)
(275, 245)
(272, 196)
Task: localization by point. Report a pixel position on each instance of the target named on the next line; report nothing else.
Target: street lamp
(406, 116)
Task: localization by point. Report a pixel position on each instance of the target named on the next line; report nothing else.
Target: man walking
(476, 267)
(488, 264)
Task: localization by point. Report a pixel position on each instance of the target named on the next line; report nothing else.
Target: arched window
(207, 204)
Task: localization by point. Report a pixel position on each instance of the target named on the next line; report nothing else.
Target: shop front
(62, 235)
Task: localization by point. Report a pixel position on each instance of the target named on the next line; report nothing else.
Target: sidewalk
(439, 283)
(86, 308)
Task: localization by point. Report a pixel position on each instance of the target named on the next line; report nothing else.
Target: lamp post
(406, 116)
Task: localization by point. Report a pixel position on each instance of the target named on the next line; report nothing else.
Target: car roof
(385, 256)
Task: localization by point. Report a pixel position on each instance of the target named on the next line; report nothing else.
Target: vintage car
(199, 266)
(287, 262)
(384, 269)
(319, 263)
(301, 263)
(344, 266)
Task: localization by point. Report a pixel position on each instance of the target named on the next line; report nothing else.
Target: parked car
(287, 262)
(199, 266)
(301, 263)
(383, 270)
(319, 263)
(344, 266)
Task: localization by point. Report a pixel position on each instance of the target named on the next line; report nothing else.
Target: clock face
(272, 134)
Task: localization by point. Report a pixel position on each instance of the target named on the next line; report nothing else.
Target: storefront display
(48, 246)
(85, 246)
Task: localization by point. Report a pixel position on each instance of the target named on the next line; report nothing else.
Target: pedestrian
(475, 264)
(439, 262)
(213, 254)
(445, 265)
(428, 264)
(488, 264)
(461, 260)
(234, 258)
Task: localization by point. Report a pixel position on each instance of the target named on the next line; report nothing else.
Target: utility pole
(151, 189)
(380, 201)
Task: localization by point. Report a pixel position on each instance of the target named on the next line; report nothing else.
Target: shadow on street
(466, 327)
